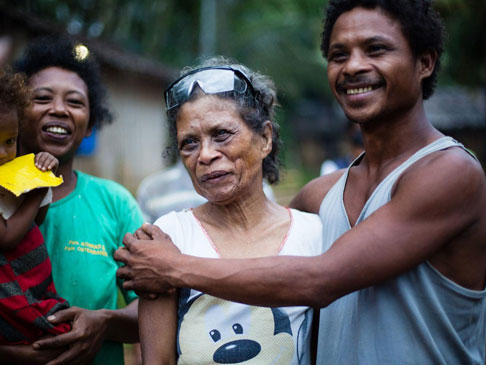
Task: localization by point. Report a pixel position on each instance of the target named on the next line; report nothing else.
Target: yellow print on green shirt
(90, 248)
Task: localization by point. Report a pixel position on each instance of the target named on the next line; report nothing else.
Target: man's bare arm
(428, 209)
(310, 197)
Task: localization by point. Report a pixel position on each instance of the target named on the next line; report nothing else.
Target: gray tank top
(419, 317)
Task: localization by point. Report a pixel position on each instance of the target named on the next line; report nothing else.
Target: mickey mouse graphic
(216, 331)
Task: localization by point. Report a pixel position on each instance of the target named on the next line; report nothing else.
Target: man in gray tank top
(402, 277)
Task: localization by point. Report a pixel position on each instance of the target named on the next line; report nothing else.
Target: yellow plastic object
(20, 176)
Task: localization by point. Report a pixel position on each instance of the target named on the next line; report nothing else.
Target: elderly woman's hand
(148, 256)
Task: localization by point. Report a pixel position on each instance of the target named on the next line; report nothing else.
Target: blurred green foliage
(465, 57)
(278, 37)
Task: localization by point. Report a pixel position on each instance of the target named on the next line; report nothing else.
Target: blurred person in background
(352, 148)
(89, 216)
(167, 190)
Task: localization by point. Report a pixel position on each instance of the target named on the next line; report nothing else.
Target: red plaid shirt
(27, 292)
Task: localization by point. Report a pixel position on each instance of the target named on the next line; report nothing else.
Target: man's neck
(397, 137)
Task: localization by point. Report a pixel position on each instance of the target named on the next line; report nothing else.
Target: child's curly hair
(14, 92)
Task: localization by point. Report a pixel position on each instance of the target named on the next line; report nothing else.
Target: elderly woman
(222, 115)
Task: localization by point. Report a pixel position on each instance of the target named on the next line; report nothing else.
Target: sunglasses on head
(211, 80)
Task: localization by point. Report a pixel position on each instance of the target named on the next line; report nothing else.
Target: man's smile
(358, 90)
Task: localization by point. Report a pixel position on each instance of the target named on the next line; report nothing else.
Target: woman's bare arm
(158, 328)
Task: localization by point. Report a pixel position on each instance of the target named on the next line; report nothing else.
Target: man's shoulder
(311, 195)
(449, 180)
(455, 156)
(322, 184)
(455, 165)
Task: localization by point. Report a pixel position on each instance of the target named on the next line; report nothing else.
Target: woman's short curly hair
(421, 25)
(50, 51)
(14, 93)
(254, 109)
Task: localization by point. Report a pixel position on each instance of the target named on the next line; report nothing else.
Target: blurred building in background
(320, 129)
(458, 112)
(461, 113)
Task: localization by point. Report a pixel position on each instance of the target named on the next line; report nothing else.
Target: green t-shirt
(81, 232)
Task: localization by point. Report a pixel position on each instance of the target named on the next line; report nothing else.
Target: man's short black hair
(50, 51)
(421, 25)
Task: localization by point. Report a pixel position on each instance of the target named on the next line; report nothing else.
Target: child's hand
(44, 161)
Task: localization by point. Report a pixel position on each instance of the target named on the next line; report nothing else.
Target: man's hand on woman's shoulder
(147, 255)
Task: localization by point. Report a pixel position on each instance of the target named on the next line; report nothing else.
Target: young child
(27, 292)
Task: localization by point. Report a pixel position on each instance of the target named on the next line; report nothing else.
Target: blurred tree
(279, 37)
(465, 57)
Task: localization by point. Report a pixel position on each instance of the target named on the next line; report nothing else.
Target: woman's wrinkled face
(57, 120)
(221, 153)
